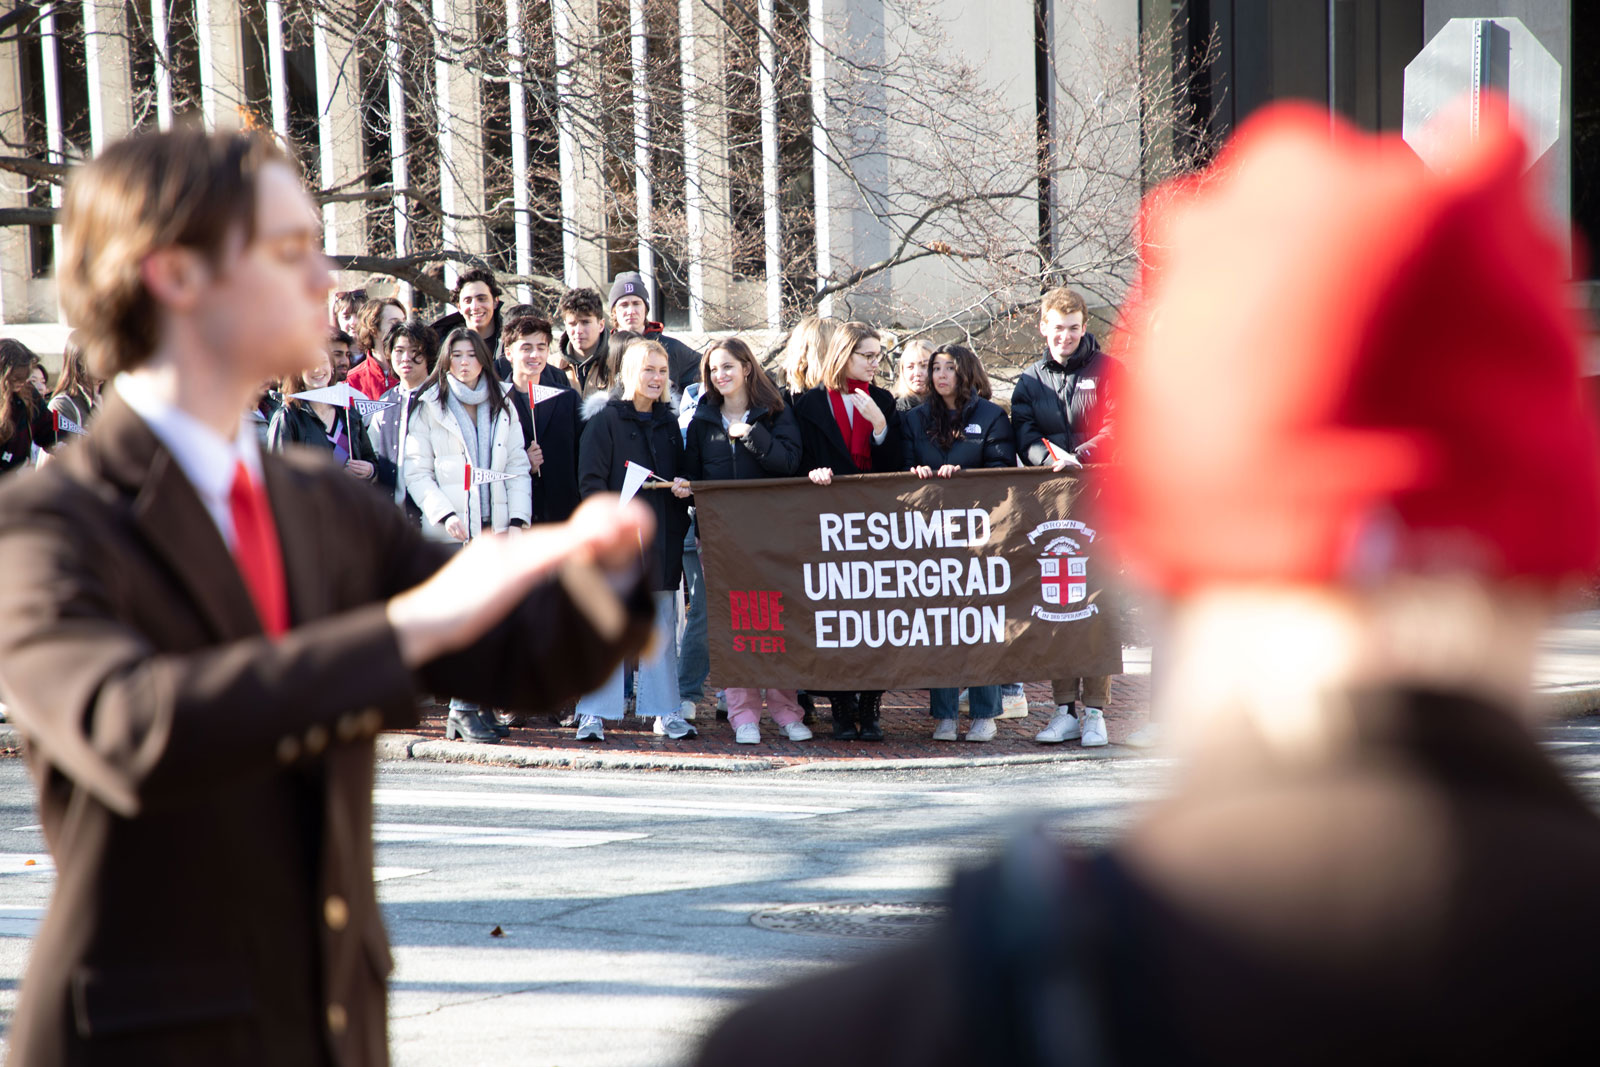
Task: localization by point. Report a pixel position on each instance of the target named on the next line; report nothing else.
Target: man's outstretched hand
(489, 577)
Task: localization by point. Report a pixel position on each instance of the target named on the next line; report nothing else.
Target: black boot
(506, 721)
(867, 716)
(844, 716)
(808, 709)
(470, 724)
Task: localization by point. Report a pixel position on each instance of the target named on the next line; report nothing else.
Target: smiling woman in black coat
(639, 426)
(849, 426)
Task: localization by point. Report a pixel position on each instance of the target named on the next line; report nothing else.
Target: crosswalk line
(394, 833)
(581, 802)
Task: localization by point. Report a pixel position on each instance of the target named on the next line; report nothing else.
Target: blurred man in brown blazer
(1363, 494)
(199, 641)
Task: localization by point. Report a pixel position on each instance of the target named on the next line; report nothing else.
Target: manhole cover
(874, 919)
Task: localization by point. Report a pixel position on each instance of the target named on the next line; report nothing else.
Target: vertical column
(54, 137)
(14, 266)
(160, 37)
(399, 146)
(770, 204)
(583, 218)
(461, 188)
(642, 190)
(339, 138)
(277, 78)
(822, 209)
(708, 199)
(218, 27)
(105, 46)
(519, 150)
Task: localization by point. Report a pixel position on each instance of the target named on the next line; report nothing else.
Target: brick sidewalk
(907, 729)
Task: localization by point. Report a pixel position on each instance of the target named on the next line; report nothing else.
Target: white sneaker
(1093, 728)
(964, 702)
(981, 730)
(589, 728)
(1014, 706)
(796, 731)
(1063, 727)
(946, 730)
(747, 733)
(1147, 736)
(674, 727)
(686, 709)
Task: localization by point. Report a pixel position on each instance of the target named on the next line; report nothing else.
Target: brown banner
(885, 581)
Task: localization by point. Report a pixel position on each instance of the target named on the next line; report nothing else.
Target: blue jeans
(657, 674)
(983, 699)
(694, 655)
(1011, 689)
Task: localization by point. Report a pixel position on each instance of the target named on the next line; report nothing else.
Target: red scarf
(857, 434)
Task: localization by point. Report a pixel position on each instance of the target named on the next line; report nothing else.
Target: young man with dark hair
(630, 312)
(199, 640)
(584, 344)
(477, 300)
(549, 419)
(1061, 417)
(411, 349)
(339, 344)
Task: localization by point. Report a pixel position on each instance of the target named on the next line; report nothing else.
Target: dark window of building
(1585, 59)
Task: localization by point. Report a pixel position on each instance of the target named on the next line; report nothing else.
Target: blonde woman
(802, 355)
(911, 385)
(638, 425)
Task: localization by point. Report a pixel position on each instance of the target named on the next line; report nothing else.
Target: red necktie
(256, 551)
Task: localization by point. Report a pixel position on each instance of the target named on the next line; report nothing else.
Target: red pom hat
(1342, 365)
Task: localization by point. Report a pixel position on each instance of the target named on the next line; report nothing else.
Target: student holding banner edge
(639, 427)
(849, 425)
(953, 430)
(741, 429)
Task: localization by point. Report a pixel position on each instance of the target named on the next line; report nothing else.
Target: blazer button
(371, 722)
(316, 739)
(288, 750)
(338, 1019)
(336, 912)
(348, 727)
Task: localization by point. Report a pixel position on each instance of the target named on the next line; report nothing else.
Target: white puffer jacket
(436, 459)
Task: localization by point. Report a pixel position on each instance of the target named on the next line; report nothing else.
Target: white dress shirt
(206, 458)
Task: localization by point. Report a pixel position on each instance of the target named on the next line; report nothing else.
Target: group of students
(543, 422)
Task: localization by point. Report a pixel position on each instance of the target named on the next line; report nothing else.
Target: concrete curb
(1568, 701)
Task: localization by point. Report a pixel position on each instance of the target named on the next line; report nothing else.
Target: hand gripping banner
(887, 581)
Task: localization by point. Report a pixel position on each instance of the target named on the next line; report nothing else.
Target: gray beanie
(629, 283)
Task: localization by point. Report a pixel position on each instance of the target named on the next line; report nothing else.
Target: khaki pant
(1096, 691)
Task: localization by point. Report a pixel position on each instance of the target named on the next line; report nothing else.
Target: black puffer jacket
(614, 434)
(770, 450)
(1071, 405)
(985, 440)
(822, 445)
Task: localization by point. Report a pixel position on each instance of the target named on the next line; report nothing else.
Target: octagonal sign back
(1466, 58)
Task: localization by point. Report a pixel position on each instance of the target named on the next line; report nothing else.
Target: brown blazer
(1426, 895)
(207, 792)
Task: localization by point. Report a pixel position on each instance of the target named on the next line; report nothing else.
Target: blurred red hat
(1342, 364)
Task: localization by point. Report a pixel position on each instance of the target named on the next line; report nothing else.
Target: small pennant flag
(66, 425)
(537, 392)
(367, 408)
(339, 395)
(633, 476)
(479, 476)
(1056, 453)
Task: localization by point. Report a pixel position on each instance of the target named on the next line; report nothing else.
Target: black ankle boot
(867, 717)
(808, 710)
(844, 716)
(469, 725)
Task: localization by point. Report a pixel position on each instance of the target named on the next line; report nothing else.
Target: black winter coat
(1071, 405)
(822, 445)
(770, 450)
(297, 424)
(616, 433)
(554, 424)
(26, 432)
(683, 362)
(985, 440)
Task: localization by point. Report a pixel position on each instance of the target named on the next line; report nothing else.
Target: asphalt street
(635, 908)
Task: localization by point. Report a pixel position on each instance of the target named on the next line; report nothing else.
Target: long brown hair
(945, 424)
(76, 383)
(758, 387)
(296, 382)
(16, 365)
(441, 369)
